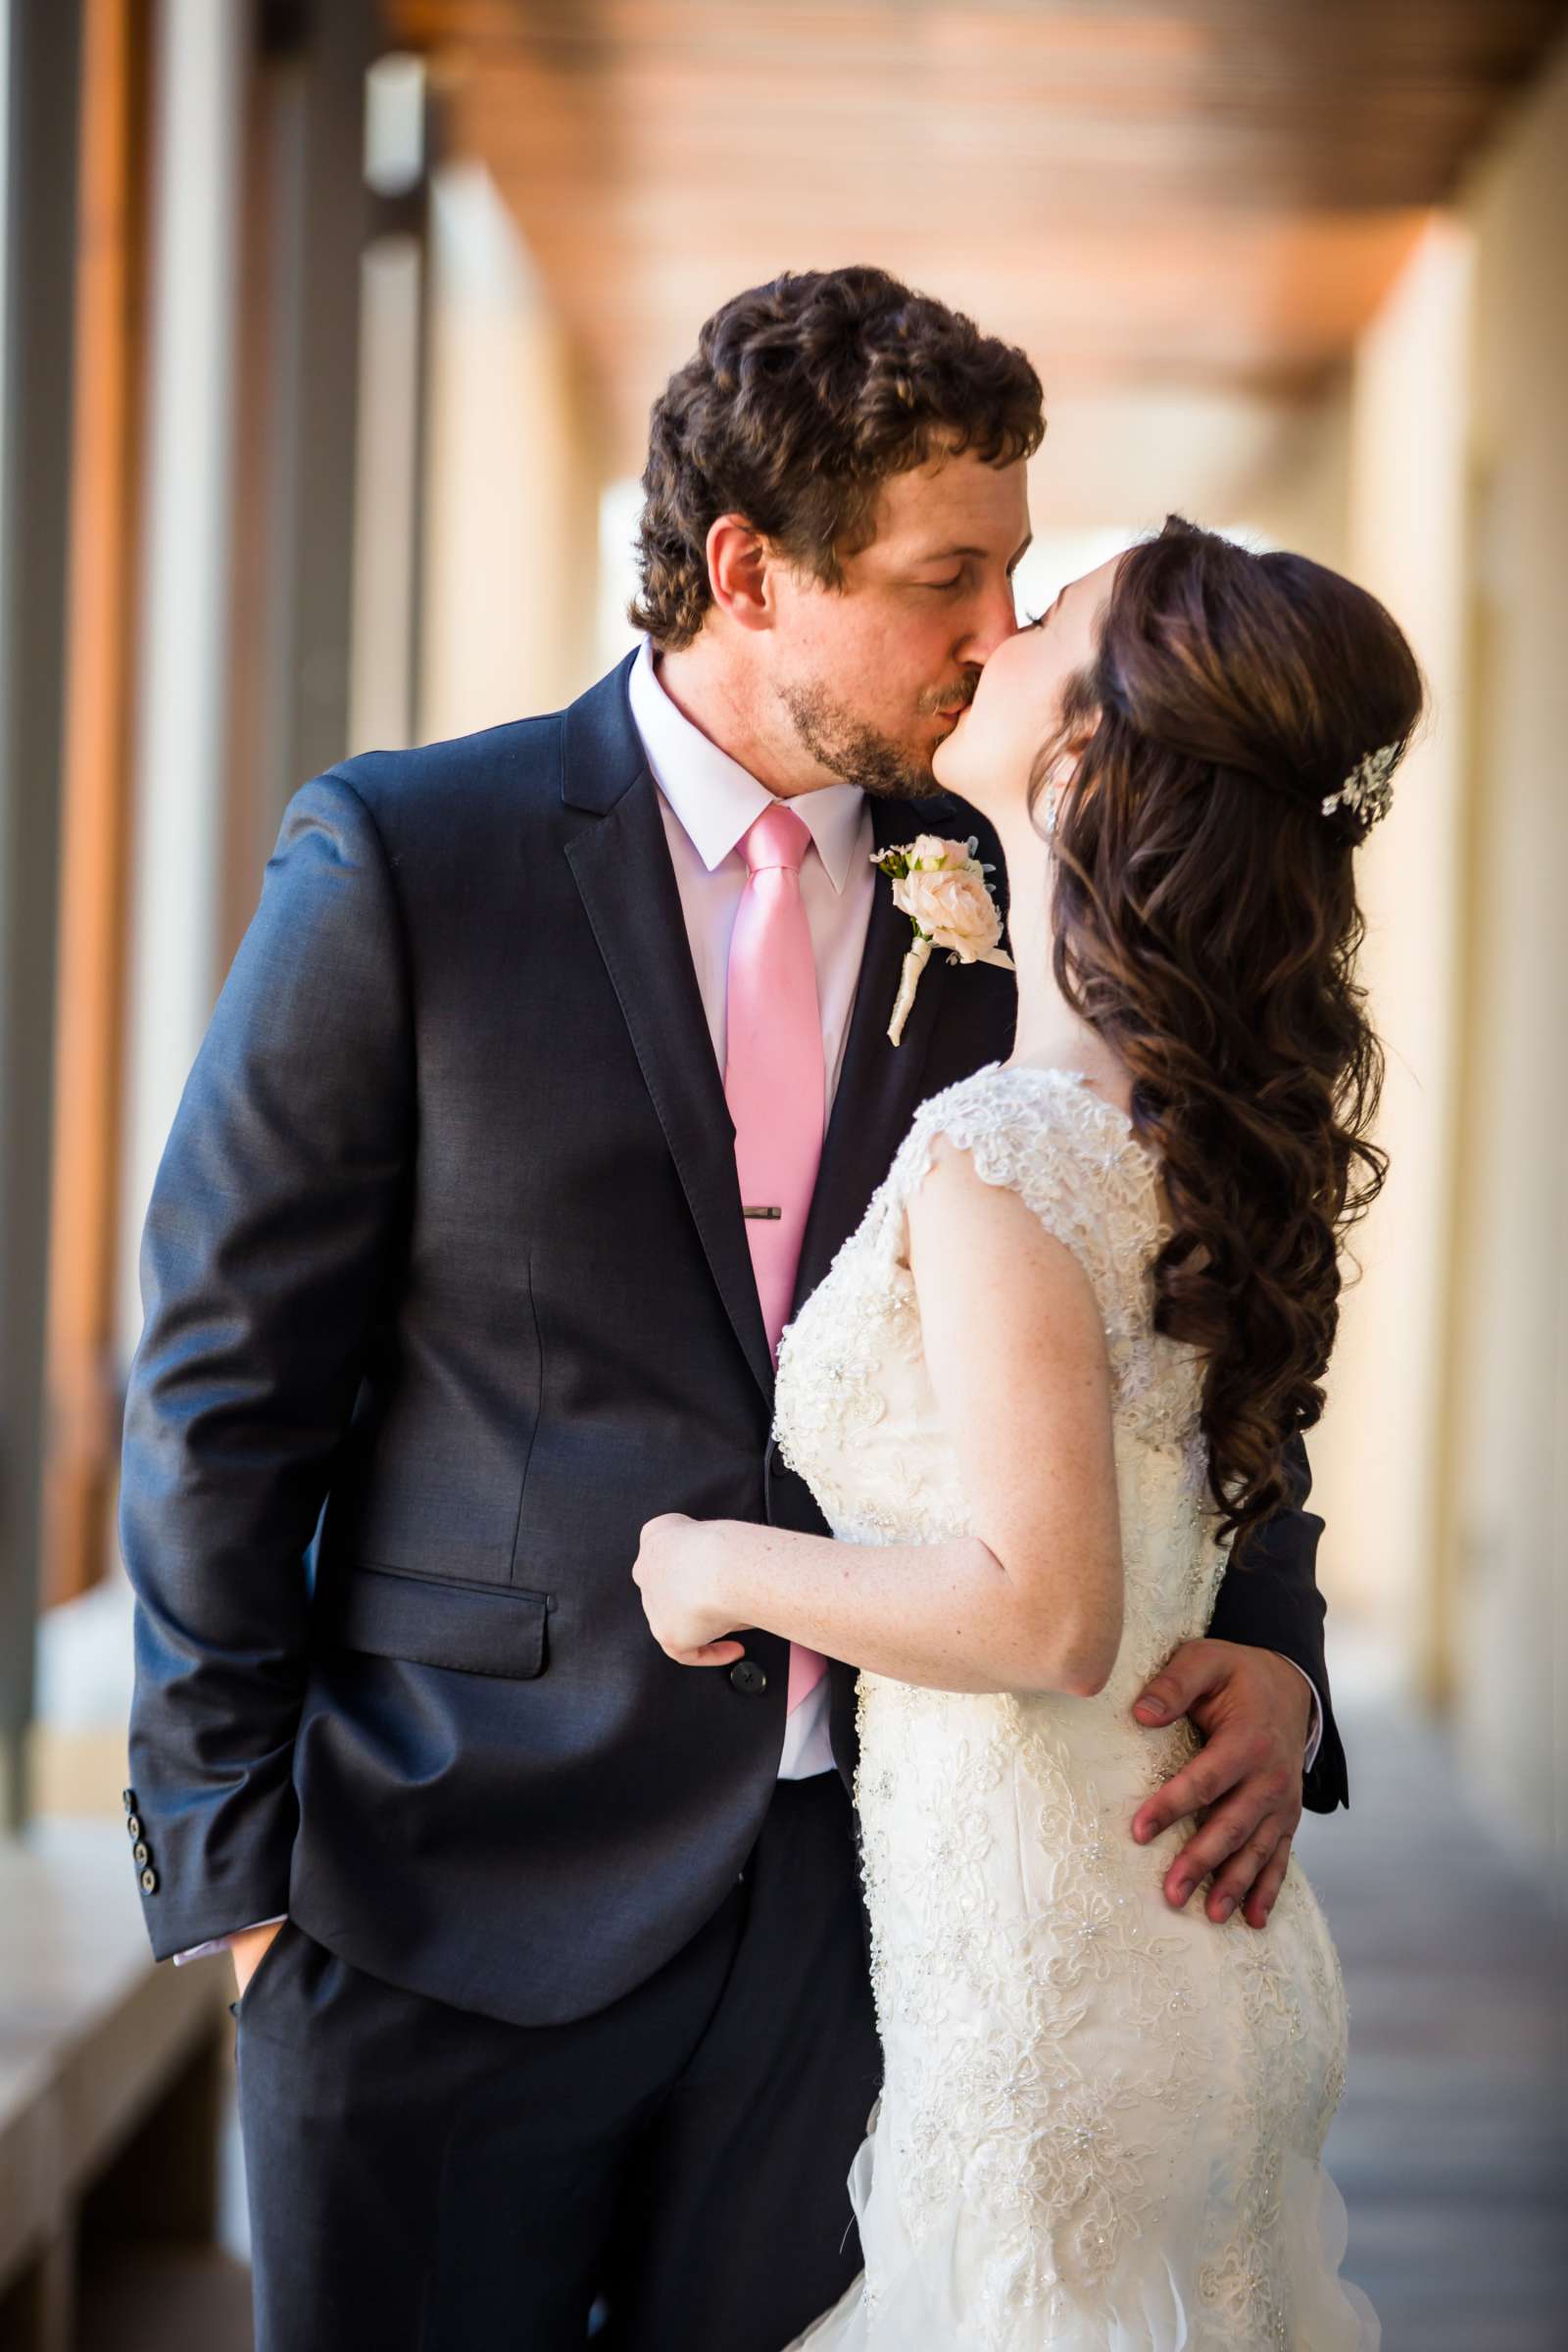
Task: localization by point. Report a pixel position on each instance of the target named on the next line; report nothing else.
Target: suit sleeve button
(149, 1882)
(127, 1797)
(747, 1675)
(132, 1828)
(141, 1851)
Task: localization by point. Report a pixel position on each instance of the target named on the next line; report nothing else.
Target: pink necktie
(775, 1084)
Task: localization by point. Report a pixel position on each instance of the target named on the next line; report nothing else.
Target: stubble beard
(853, 751)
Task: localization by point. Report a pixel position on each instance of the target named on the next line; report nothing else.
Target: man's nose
(993, 621)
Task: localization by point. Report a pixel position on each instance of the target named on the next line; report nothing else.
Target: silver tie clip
(761, 1212)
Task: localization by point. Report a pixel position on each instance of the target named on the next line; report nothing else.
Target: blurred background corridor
(328, 330)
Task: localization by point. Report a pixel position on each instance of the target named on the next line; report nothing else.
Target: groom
(495, 1167)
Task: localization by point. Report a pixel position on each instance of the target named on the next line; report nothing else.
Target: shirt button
(149, 1882)
(747, 1675)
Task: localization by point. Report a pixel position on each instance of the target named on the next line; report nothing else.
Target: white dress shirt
(709, 802)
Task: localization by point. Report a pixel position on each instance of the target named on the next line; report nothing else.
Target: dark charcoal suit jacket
(447, 1238)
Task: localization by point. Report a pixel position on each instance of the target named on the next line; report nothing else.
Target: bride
(1044, 1388)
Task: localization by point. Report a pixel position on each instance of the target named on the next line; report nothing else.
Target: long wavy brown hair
(1207, 924)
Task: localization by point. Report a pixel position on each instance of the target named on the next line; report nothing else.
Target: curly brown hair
(801, 398)
(1206, 924)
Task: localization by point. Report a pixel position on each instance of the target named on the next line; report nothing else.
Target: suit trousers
(423, 2178)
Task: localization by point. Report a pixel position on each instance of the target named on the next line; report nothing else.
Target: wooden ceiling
(1209, 194)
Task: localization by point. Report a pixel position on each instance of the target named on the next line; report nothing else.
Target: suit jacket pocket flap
(500, 1631)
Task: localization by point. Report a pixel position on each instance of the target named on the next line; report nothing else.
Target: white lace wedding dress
(1100, 2119)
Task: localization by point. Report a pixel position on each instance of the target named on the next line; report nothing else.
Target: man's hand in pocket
(248, 1947)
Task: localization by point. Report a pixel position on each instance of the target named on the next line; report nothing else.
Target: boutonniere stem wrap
(941, 886)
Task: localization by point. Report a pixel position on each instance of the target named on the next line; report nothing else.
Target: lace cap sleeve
(1072, 1157)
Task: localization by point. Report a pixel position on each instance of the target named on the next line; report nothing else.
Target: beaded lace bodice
(1102, 2119)
(856, 1413)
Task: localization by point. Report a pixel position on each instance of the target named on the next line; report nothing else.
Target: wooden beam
(82, 1436)
(1217, 192)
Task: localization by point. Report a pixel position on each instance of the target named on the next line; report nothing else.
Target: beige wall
(1404, 442)
(1303, 500)
(1509, 1435)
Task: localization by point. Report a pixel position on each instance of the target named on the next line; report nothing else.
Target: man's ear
(740, 563)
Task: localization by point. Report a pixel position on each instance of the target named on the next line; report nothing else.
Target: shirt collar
(716, 799)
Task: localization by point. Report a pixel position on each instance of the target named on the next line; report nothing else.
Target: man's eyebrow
(945, 554)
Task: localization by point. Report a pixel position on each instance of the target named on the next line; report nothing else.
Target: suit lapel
(879, 1084)
(622, 871)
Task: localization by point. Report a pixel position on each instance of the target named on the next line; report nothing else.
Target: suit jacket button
(141, 1851)
(149, 1882)
(747, 1675)
(132, 1828)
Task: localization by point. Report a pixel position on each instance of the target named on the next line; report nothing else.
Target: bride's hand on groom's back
(1253, 1708)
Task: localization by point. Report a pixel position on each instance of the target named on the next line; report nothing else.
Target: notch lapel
(879, 1084)
(623, 870)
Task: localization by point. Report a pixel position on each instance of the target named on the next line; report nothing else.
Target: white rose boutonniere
(941, 886)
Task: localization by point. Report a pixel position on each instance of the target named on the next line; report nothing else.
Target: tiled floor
(1449, 2146)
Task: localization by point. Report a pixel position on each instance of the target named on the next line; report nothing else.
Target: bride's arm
(1033, 1599)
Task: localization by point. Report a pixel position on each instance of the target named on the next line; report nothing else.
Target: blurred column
(1380, 1453)
(260, 222)
(314, 220)
(39, 84)
(82, 1442)
(1508, 1463)
(513, 481)
(199, 63)
(392, 374)
(305, 220)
